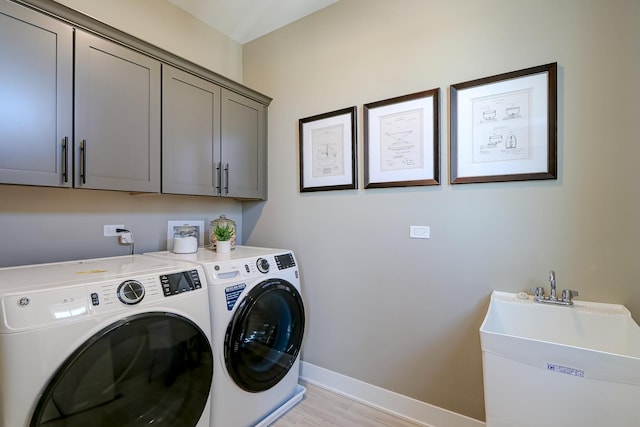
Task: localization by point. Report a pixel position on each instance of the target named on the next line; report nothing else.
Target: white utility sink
(548, 365)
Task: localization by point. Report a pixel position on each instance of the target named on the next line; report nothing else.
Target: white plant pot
(223, 247)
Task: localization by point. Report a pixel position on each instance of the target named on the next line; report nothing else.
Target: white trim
(293, 400)
(401, 406)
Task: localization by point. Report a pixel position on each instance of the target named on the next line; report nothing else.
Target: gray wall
(51, 224)
(404, 314)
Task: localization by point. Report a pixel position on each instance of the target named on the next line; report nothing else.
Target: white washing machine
(121, 341)
(257, 329)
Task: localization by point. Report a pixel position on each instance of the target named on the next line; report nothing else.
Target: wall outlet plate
(110, 230)
(419, 232)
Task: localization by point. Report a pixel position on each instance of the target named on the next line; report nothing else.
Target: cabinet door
(35, 97)
(190, 133)
(117, 126)
(244, 147)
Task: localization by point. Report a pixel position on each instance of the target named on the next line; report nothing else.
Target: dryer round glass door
(148, 369)
(264, 336)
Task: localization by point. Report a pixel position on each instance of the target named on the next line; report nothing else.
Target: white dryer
(121, 341)
(258, 323)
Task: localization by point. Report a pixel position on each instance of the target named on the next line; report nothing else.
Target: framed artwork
(328, 151)
(401, 141)
(504, 128)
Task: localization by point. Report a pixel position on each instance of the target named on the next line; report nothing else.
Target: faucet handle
(538, 292)
(568, 294)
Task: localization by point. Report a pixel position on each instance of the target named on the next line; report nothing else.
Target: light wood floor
(320, 407)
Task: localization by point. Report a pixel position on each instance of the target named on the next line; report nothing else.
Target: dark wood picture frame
(402, 140)
(492, 115)
(328, 151)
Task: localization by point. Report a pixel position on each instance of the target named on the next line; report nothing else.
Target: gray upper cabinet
(36, 98)
(213, 139)
(85, 105)
(243, 158)
(190, 133)
(117, 111)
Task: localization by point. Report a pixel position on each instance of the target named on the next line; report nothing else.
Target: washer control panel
(119, 294)
(177, 283)
(133, 291)
(244, 269)
(285, 261)
(96, 287)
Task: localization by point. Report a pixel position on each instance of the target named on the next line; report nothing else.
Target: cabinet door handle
(65, 144)
(226, 178)
(83, 161)
(218, 178)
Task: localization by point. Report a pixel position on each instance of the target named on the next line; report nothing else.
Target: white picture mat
(310, 160)
(376, 147)
(537, 158)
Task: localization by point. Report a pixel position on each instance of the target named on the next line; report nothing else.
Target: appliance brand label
(565, 370)
(232, 293)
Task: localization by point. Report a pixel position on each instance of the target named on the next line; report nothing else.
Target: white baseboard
(384, 400)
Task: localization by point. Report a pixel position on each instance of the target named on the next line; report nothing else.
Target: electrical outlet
(110, 230)
(419, 232)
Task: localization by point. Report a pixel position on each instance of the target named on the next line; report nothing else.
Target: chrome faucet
(552, 282)
(567, 294)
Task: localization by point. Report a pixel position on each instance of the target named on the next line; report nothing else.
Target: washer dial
(263, 265)
(130, 292)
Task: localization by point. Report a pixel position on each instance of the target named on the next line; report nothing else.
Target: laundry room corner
(403, 314)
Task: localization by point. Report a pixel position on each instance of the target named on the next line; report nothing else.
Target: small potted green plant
(223, 235)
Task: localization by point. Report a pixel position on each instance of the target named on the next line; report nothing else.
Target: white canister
(185, 245)
(185, 240)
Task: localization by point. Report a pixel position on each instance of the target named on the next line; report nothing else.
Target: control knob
(130, 292)
(263, 265)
